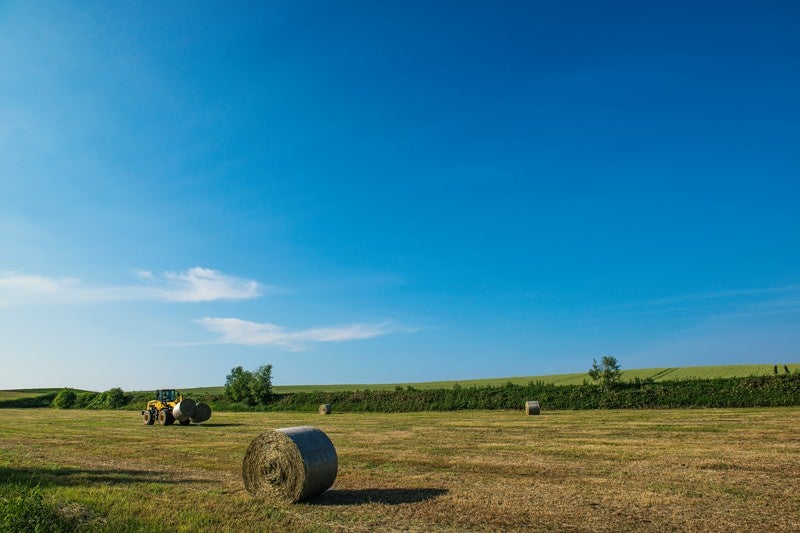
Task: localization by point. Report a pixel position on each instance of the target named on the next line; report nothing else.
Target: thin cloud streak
(700, 297)
(237, 331)
(195, 284)
(203, 285)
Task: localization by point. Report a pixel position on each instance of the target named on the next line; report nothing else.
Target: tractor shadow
(78, 476)
(383, 496)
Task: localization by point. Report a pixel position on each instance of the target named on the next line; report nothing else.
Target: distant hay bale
(325, 409)
(290, 464)
(532, 408)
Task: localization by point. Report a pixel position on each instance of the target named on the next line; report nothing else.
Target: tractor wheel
(147, 418)
(185, 422)
(165, 417)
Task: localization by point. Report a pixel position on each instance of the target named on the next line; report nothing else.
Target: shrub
(110, 399)
(115, 398)
(65, 399)
(83, 399)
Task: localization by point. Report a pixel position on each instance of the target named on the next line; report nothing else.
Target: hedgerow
(756, 391)
(753, 391)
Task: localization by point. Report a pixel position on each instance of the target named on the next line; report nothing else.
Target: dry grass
(719, 469)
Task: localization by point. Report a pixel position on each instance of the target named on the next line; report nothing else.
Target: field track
(714, 469)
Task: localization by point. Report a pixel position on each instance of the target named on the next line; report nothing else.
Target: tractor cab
(166, 395)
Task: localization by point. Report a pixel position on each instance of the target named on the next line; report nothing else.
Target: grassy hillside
(16, 394)
(657, 374)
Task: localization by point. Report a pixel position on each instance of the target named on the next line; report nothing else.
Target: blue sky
(363, 192)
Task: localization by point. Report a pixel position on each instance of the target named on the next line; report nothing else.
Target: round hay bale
(202, 413)
(532, 408)
(325, 409)
(290, 464)
(184, 409)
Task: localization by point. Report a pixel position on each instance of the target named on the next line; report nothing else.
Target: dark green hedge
(43, 400)
(756, 391)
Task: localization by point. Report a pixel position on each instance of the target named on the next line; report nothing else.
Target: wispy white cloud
(144, 274)
(711, 297)
(195, 284)
(201, 285)
(237, 331)
(17, 287)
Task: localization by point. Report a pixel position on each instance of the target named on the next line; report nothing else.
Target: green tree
(115, 398)
(110, 399)
(65, 399)
(237, 386)
(607, 373)
(261, 385)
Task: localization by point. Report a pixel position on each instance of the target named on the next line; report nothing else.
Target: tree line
(249, 388)
(252, 390)
(754, 391)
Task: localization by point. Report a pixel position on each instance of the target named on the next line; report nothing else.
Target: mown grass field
(657, 374)
(704, 469)
(24, 393)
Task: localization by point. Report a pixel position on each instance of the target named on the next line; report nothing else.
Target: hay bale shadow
(382, 496)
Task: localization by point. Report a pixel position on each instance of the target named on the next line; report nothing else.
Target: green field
(24, 393)
(684, 470)
(657, 374)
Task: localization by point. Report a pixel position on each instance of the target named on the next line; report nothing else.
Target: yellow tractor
(170, 406)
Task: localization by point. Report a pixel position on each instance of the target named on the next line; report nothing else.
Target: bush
(83, 399)
(115, 398)
(65, 399)
(110, 399)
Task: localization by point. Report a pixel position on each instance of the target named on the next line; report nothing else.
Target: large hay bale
(202, 413)
(325, 409)
(184, 410)
(290, 464)
(532, 408)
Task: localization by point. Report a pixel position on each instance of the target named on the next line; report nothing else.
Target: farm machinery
(170, 406)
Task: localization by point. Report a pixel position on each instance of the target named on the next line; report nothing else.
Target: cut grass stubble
(719, 469)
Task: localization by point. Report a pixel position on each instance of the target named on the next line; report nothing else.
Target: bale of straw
(325, 409)
(290, 464)
(532, 408)
(184, 410)
(202, 413)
